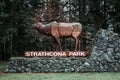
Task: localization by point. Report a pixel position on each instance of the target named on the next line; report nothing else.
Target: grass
(60, 76)
(57, 76)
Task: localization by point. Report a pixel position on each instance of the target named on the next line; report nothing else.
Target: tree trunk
(48, 10)
(81, 10)
(105, 15)
(11, 45)
(4, 54)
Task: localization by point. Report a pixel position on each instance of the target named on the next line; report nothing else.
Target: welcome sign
(56, 53)
(50, 37)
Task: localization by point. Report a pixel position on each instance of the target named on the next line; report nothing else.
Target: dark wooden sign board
(56, 53)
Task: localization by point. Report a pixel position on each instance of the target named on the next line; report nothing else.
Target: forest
(17, 16)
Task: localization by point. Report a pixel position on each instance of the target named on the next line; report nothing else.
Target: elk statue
(60, 30)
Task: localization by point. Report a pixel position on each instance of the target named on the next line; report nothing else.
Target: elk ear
(39, 23)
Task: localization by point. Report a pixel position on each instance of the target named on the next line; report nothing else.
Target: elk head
(37, 26)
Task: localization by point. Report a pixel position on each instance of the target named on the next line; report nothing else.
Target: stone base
(46, 64)
(105, 56)
(59, 64)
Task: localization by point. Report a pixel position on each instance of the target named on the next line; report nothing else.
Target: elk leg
(76, 44)
(56, 46)
(58, 43)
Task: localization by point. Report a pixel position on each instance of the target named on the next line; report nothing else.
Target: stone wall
(45, 64)
(105, 56)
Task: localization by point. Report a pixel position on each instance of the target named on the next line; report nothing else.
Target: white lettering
(27, 54)
(43, 53)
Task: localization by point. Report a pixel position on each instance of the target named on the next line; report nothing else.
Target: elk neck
(45, 30)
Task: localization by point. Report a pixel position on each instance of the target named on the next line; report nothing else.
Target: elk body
(60, 30)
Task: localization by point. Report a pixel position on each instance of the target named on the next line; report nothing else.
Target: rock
(86, 64)
(72, 69)
(117, 56)
(27, 70)
(19, 69)
(6, 70)
(110, 50)
(107, 57)
(67, 70)
(39, 64)
(117, 49)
